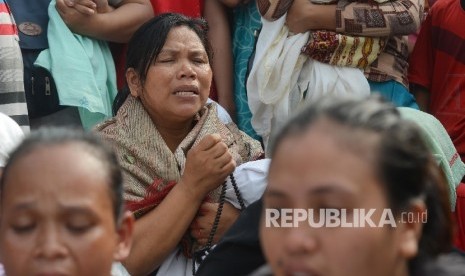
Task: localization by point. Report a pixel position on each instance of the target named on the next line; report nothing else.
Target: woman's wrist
(191, 191)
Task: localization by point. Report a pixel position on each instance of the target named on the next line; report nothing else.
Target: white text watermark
(346, 218)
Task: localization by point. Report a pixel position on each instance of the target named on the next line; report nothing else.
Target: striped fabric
(12, 96)
(7, 26)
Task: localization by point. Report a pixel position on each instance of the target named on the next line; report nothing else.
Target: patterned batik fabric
(395, 19)
(367, 18)
(342, 50)
(338, 49)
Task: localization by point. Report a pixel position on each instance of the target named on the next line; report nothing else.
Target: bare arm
(222, 65)
(422, 96)
(390, 18)
(159, 231)
(117, 25)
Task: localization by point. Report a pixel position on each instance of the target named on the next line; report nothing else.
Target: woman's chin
(187, 112)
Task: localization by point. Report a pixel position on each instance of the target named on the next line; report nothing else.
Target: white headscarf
(10, 136)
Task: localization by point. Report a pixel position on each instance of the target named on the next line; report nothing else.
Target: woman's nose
(50, 244)
(186, 70)
(300, 240)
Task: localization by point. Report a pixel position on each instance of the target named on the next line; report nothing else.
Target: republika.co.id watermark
(331, 218)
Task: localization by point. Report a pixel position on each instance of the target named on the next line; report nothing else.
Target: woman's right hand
(207, 165)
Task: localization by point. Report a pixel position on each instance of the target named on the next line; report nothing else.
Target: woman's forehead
(325, 134)
(55, 165)
(321, 159)
(184, 35)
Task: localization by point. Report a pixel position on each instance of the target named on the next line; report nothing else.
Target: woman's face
(315, 172)
(57, 215)
(178, 82)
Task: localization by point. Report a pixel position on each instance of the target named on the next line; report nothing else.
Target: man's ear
(411, 225)
(125, 231)
(133, 81)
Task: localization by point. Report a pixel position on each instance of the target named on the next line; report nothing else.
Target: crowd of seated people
(187, 188)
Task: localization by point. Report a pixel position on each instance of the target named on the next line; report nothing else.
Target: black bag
(31, 17)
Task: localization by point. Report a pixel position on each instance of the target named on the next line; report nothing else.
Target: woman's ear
(133, 81)
(124, 242)
(411, 225)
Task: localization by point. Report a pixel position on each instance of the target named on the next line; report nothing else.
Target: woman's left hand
(202, 224)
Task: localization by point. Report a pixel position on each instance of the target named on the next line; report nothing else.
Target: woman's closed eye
(23, 228)
(166, 60)
(200, 60)
(23, 225)
(165, 57)
(79, 228)
(79, 224)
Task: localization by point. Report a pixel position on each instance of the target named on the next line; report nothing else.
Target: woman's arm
(159, 231)
(390, 18)
(219, 35)
(117, 25)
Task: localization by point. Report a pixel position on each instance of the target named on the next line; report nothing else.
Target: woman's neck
(173, 135)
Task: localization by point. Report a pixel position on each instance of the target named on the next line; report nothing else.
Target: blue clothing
(394, 92)
(246, 23)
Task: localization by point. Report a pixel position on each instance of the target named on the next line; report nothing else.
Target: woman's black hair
(59, 136)
(149, 39)
(404, 163)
